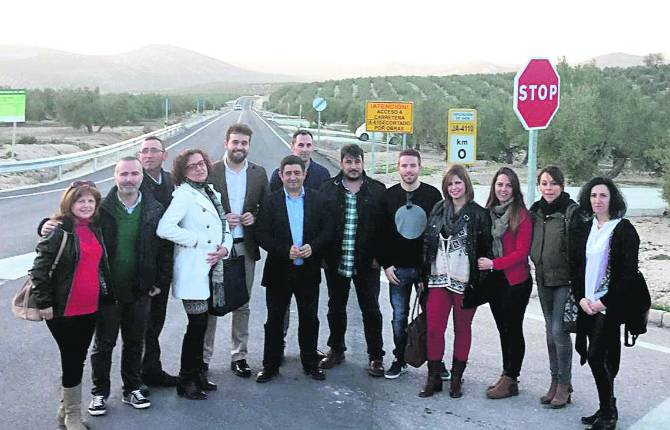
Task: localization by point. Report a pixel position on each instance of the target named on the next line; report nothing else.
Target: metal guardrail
(100, 157)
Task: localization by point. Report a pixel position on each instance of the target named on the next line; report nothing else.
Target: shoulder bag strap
(60, 253)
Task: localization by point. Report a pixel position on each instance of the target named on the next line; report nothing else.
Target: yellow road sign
(395, 117)
(462, 136)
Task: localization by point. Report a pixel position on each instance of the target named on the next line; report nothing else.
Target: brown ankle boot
(456, 387)
(508, 387)
(546, 399)
(497, 382)
(562, 396)
(434, 380)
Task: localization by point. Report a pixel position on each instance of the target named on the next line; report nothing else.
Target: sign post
(389, 117)
(537, 90)
(319, 104)
(462, 136)
(13, 109)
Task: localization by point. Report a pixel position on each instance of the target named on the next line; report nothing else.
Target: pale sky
(293, 35)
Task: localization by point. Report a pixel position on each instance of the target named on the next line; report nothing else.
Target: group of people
(153, 229)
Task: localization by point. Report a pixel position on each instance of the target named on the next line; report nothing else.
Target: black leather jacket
(478, 243)
(55, 291)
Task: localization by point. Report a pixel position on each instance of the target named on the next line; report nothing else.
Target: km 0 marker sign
(537, 89)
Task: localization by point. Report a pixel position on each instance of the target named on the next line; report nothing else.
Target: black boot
(203, 381)
(434, 380)
(592, 418)
(187, 386)
(606, 419)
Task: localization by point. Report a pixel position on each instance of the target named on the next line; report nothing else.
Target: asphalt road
(348, 398)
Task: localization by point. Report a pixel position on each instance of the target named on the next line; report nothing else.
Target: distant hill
(619, 59)
(615, 59)
(151, 68)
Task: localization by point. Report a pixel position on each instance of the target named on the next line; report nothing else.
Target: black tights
(192, 345)
(604, 356)
(508, 307)
(73, 336)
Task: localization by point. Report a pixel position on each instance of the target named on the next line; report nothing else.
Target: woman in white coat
(195, 221)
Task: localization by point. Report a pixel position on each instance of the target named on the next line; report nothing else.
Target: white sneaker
(97, 406)
(136, 399)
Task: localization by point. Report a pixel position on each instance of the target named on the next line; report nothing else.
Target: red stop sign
(537, 90)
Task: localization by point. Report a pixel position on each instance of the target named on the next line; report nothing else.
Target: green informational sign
(12, 105)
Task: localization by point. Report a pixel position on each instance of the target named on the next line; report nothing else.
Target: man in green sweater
(141, 266)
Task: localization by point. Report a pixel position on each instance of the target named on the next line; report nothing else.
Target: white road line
(273, 130)
(39, 193)
(16, 267)
(657, 418)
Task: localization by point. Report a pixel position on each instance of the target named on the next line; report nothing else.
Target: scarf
(454, 222)
(500, 215)
(560, 204)
(216, 273)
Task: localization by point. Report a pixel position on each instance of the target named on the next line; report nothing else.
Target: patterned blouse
(457, 244)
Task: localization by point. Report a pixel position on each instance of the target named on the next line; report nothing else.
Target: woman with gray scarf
(196, 223)
(512, 230)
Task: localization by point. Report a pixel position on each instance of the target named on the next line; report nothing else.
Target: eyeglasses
(199, 165)
(77, 184)
(151, 151)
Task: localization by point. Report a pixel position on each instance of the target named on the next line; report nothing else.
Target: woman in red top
(68, 297)
(512, 231)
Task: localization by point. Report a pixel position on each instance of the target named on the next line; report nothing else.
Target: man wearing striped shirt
(355, 200)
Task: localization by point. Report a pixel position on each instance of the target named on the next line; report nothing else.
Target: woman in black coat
(604, 262)
(68, 297)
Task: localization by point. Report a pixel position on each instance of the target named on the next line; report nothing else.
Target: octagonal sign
(537, 90)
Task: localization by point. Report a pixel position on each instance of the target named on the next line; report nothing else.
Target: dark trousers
(151, 363)
(604, 355)
(193, 343)
(400, 296)
(508, 307)
(277, 298)
(131, 319)
(73, 336)
(366, 283)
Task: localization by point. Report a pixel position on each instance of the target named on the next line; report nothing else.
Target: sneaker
(136, 399)
(97, 406)
(444, 373)
(395, 370)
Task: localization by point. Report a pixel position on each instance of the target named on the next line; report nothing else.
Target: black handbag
(570, 311)
(637, 305)
(234, 294)
(415, 348)
(474, 296)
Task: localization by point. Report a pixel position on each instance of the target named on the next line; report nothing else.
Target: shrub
(27, 140)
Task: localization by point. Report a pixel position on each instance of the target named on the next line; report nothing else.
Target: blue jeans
(400, 296)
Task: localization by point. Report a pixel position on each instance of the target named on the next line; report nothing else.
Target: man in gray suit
(242, 185)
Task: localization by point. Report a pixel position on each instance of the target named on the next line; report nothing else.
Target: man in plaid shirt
(355, 201)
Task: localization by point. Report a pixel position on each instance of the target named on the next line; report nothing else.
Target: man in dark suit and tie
(294, 228)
